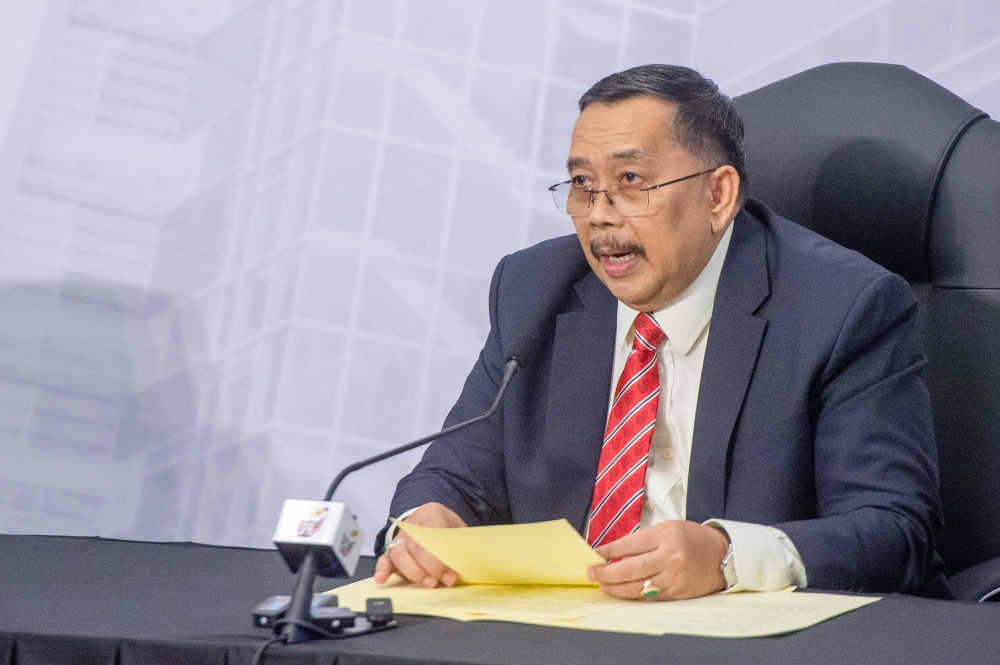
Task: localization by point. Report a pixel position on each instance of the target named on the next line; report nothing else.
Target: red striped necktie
(621, 473)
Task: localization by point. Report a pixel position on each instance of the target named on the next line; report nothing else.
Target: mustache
(615, 246)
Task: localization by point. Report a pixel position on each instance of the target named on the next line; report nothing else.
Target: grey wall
(245, 243)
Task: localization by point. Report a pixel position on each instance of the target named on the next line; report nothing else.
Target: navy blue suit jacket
(812, 415)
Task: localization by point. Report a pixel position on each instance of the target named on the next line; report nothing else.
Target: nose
(602, 210)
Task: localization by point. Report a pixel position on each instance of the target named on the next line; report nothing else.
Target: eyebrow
(633, 155)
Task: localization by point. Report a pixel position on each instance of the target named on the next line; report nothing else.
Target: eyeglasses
(576, 201)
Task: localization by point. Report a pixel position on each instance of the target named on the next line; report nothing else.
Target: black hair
(706, 122)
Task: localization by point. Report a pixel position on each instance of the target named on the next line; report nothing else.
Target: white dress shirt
(765, 558)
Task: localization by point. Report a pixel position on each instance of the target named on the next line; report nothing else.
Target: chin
(630, 297)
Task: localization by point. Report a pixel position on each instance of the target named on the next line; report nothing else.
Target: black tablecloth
(89, 600)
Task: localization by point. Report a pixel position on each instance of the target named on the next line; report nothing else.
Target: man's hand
(410, 559)
(682, 558)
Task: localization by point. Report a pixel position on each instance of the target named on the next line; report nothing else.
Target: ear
(725, 189)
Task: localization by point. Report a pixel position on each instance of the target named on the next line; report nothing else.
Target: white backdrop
(243, 244)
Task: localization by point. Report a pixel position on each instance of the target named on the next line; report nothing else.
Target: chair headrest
(855, 152)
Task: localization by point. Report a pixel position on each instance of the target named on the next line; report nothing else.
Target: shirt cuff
(394, 528)
(765, 558)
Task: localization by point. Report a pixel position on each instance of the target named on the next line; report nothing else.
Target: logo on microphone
(309, 527)
(347, 542)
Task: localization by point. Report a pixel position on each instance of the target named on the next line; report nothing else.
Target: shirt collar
(686, 316)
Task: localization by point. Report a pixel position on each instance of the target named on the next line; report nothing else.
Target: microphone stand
(512, 366)
(301, 603)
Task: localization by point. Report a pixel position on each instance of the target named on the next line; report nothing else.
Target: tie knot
(648, 333)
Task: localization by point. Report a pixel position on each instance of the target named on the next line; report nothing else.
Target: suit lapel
(577, 409)
(734, 343)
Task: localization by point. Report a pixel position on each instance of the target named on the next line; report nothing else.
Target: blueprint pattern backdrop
(243, 244)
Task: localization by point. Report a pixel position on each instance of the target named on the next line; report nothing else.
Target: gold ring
(649, 590)
(392, 543)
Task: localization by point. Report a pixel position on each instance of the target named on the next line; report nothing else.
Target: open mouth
(619, 259)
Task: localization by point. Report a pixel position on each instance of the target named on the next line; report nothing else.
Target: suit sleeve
(465, 471)
(875, 459)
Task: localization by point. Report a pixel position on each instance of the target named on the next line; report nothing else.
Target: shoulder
(533, 285)
(541, 276)
(556, 261)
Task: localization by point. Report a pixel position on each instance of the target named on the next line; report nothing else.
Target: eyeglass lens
(576, 201)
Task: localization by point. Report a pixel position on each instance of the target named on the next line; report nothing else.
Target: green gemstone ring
(649, 590)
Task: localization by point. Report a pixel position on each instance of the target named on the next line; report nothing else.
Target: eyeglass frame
(594, 192)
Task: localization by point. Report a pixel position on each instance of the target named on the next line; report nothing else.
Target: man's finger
(627, 590)
(383, 569)
(633, 544)
(431, 564)
(409, 567)
(629, 569)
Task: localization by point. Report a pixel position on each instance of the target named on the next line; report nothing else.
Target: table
(92, 600)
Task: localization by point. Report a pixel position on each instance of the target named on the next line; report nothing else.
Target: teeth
(621, 259)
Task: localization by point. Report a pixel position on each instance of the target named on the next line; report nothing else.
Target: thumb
(383, 569)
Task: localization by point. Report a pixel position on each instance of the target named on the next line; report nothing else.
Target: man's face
(646, 261)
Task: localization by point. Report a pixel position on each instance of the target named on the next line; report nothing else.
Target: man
(721, 399)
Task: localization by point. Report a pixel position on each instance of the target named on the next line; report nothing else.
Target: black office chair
(887, 162)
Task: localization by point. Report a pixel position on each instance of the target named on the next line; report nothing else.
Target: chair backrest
(887, 162)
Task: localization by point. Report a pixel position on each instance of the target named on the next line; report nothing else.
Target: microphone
(324, 538)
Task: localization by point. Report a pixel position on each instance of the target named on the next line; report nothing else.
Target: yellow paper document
(547, 553)
(719, 615)
(469, 602)
(750, 614)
